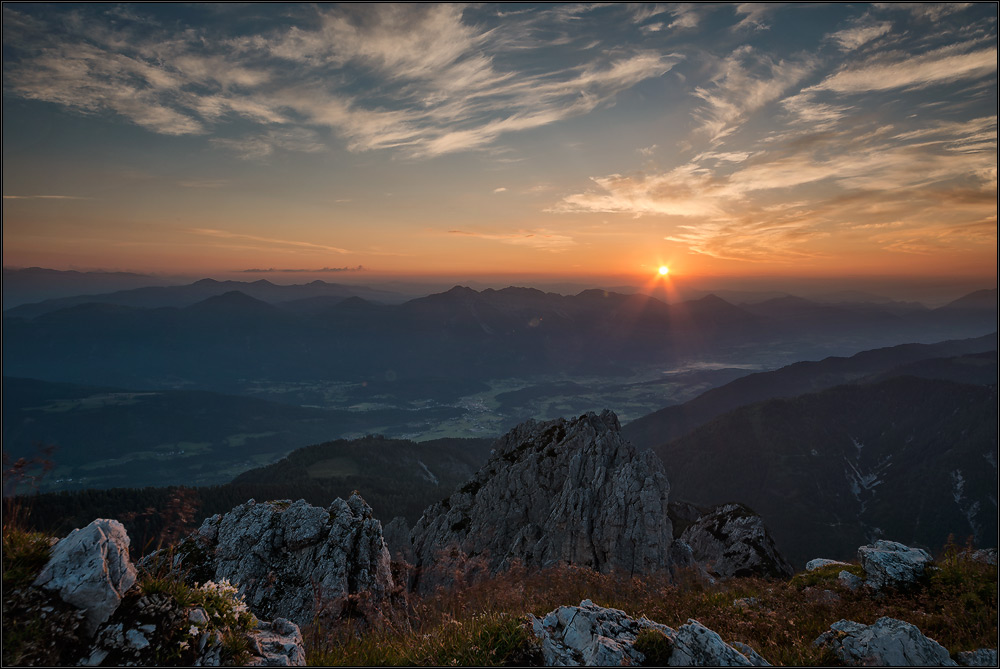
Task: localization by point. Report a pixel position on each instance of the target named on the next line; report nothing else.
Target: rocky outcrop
(91, 570)
(559, 491)
(731, 540)
(892, 564)
(90, 584)
(152, 630)
(288, 558)
(697, 646)
(887, 643)
(591, 635)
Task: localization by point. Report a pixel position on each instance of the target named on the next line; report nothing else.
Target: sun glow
(664, 270)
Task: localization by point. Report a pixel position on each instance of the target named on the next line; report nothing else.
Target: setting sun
(664, 270)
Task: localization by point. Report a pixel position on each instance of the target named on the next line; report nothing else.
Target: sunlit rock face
(570, 491)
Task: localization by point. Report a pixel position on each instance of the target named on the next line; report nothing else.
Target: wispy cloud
(746, 81)
(542, 239)
(225, 234)
(852, 38)
(322, 270)
(937, 67)
(753, 14)
(203, 183)
(432, 82)
(45, 197)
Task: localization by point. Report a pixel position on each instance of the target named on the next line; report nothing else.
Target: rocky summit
(571, 491)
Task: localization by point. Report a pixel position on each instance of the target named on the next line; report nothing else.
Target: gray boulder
(287, 558)
(591, 635)
(849, 580)
(559, 491)
(983, 657)
(887, 643)
(731, 540)
(91, 570)
(277, 644)
(697, 646)
(816, 563)
(892, 564)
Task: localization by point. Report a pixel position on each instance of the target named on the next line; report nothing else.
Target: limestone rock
(849, 580)
(731, 540)
(697, 646)
(559, 491)
(591, 635)
(983, 657)
(397, 539)
(277, 644)
(148, 628)
(816, 563)
(91, 570)
(286, 557)
(983, 555)
(892, 564)
(887, 643)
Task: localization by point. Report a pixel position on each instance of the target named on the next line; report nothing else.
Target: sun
(664, 270)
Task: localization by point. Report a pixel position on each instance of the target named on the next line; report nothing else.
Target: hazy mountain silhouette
(673, 422)
(906, 459)
(221, 341)
(149, 297)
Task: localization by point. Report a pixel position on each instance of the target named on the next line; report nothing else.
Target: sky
(810, 140)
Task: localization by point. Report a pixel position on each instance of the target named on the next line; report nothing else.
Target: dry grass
(482, 622)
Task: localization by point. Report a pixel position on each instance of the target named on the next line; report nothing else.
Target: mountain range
(229, 341)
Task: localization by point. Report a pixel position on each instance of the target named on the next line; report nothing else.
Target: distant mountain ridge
(151, 297)
(461, 334)
(802, 377)
(31, 284)
(907, 459)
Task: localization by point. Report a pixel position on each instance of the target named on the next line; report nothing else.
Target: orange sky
(788, 140)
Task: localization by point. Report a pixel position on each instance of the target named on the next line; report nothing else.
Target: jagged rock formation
(91, 570)
(731, 540)
(558, 491)
(887, 643)
(591, 635)
(892, 564)
(287, 558)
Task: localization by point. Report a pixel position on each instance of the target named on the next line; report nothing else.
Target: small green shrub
(24, 556)
(655, 645)
(824, 577)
